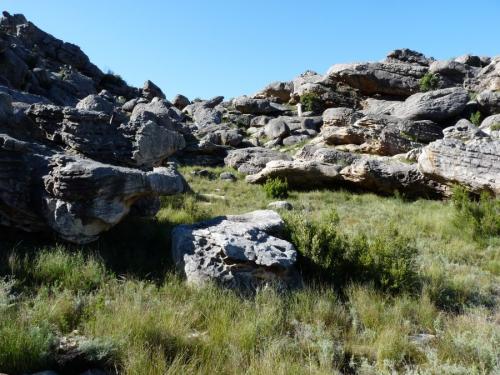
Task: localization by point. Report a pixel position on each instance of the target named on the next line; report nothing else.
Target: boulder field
(80, 149)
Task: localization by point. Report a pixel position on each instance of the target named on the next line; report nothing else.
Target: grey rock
(260, 121)
(472, 162)
(396, 79)
(252, 159)
(150, 91)
(294, 139)
(299, 173)
(409, 56)
(489, 101)
(277, 128)
(338, 116)
(452, 72)
(488, 78)
(258, 106)
(464, 130)
(470, 60)
(437, 105)
(95, 103)
(377, 107)
(96, 135)
(386, 176)
(243, 252)
(280, 205)
(180, 102)
(77, 198)
(276, 91)
(491, 126)
(159, 111)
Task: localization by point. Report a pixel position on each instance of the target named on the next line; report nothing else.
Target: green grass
(495, 127)
(415, 271)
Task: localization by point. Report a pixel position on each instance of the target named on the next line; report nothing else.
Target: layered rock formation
(72, 161)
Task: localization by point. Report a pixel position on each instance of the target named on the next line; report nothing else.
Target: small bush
(429, 81)
(311, 102)
(388, 260)
(481, 217)
(112, 79)
(475, 118)
(276, 188)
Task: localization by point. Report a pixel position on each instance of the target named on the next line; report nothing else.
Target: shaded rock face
(467, 156)
(243, 252)
(76, 197)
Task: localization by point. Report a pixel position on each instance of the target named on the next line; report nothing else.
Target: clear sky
(204, 48)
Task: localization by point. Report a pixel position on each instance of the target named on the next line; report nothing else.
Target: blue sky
(204, 48)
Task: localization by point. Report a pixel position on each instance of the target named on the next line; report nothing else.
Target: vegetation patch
(430, 81)
(276, 188)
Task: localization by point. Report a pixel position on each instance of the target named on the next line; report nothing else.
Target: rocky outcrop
(243, 252)
(102, 136)
(397, 79)
(251, 160)
(74, 159)
(78, 198)
(465, 156)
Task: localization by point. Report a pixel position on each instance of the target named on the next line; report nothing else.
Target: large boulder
(489, 101)
(243, 252)
(466, 156)
(276, 91)
(397, 79)
(491, 126)
(258, 106)
(452, 72)
(253, 159)
(77, 198)
(299, 173)
(386, 176)
(437, 105)
(150, 91)
(95, 103)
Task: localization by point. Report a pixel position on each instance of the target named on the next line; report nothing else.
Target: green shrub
(388, 260)
(276, 188)
(475, 118)
(311, 102)
(112, 79)
(481, 217)
(429, 81)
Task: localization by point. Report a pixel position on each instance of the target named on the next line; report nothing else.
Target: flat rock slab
(241, 252)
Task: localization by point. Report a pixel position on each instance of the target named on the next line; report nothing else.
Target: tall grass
(381, 272)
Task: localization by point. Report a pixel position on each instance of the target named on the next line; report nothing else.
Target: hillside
(346, 222)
